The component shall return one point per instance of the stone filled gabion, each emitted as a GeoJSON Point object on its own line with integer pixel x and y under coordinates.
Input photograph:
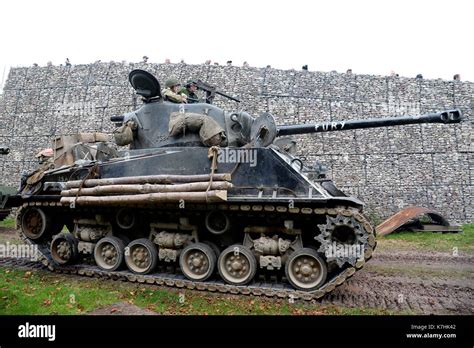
{"type": "Point", "coordinates": [429, 165]}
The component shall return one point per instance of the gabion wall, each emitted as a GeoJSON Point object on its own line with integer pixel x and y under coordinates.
{"type": "Point", "coordinates": [389, 168]}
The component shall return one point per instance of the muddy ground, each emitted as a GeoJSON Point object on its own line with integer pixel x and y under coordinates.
{"type": "Point", "coordinates": [410, 280]}
{"type": "Point", "coordinates": [398, 279]}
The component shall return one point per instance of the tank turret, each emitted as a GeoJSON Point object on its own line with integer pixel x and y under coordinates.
{"type": "Point", "coordinates": [155, 123]}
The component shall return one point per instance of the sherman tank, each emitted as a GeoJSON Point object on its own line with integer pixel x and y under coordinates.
{"type": "Point", "coordinates": [200, 198]}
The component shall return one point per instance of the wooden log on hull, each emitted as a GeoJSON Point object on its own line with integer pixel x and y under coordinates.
{"type": "Point", "coordinates": [149, 198]}
{"type": "Point", "coordinates": [146, 188]}
{"type": "Point", "coordinates": [149, 179]}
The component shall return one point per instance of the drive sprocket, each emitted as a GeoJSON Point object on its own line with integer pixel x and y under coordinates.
{"type": "Point", "coordinates": [343, 239]}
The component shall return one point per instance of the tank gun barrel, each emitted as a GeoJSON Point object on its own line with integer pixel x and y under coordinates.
{"type": "Point", "coordinates": [447, 116]}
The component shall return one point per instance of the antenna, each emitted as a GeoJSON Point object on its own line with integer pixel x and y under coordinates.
{"type": "Point", "coordinates": [3, 78]}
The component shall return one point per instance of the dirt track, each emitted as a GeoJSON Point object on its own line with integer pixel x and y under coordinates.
{"type": "Point", "coordinates": [414, 281]}
{"type": "Point", "coordinates": [406, 281]}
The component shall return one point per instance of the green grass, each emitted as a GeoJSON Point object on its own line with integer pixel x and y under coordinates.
{"type": "Point", "coordinates": [7, 235]}
{"type": "Point", "coordinates": [29, 292]}
{"type": "Point", "coordinates": [446, 242]}
{"type": "Point", "coordinates": [8, 223]}
{"type": "Point", "coordinates": [40, 292]}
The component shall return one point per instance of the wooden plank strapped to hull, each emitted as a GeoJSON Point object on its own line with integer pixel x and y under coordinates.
{"type": "Point", "coordinates": [148, 179]}
{"type": "Point", "coordinates": [149, 198]}
{"type": "Point", "coordinates": [145, 188]}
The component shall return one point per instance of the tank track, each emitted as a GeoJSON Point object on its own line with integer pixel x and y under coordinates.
{"type": "Point", "coordinates": [255, 288]}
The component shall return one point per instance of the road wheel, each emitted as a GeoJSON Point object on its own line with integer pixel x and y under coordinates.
{"type": "Point", "coordinates": [141, 256]}
{"type": "Point", "coordinates": [64, 249]}
{"type": "Point", "coordinates": [237, 265]}
{"type": "Point", "coordinates": [109, 253]}
{"type": "Point", "coordinates": [36, 224]}
{"type": "Point", "coordinates": [305, 269]}
{"type": "Point", "coordinates": [197, 261]}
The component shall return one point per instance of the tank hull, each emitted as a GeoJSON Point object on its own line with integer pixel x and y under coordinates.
{"type": "Point", "coordinates": [248, 212]}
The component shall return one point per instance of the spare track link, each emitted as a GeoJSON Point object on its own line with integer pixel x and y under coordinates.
{"type": "Point", "coordinates": [255, 288]}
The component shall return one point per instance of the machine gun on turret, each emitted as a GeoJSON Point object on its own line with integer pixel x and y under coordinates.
{"type": "Point", "coordinates": [211, 92]}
